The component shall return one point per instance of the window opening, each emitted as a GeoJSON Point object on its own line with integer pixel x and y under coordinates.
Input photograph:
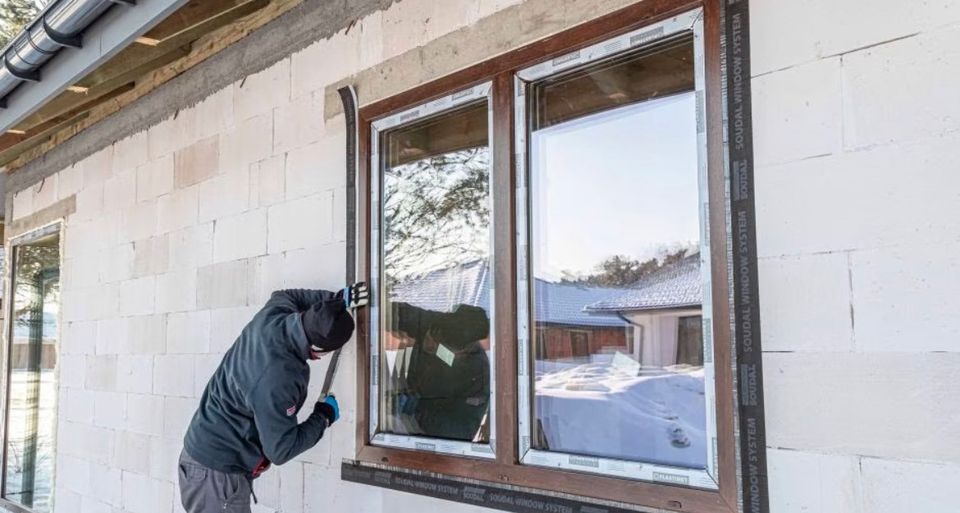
{"type": "Point", "coordinates": [614, 154]}
{"type": "Point", "coordinates": [29, 452]}
{"type": "Point", "coordinates": [435, 339]}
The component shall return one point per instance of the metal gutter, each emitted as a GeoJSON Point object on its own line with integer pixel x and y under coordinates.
{"type": "Point", "coordinates": [35, 65]}
{"type": "Point", "coordinates": [59, 25]}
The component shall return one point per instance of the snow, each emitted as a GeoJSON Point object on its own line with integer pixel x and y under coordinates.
{"type": "Point", "coordinates": [614, 408]}
{"type": "Point", "coordinates": [618, 409]}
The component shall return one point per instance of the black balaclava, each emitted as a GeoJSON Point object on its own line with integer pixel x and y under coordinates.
{"type": "Point", "coordinates": [328, 326]}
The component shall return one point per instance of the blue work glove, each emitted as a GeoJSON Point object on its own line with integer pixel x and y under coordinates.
{"type": "Point", "coordinates": [356, 295]}
{"type": "Point", "coordinates": [329, 408]}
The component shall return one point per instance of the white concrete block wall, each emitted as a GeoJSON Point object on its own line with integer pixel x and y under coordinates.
{"type": "Point", "coordinates": [858, 215]}
{"type": "Point", "coordinates": [183, 230]}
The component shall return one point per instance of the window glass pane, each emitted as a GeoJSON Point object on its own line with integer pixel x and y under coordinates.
{"type": "Point", "coordinates": [655, 72]}
{"type": "Point", "coordinates": [615, 253]}
{"type": "Point", "coordinates": [31, 406]}
{"type": "Point", "coordinates": [435, 341]}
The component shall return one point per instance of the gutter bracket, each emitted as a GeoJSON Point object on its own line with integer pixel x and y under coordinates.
{"type": "Point", "coordinates": [30, 76]}
{"type": "Point", "coordinates": [62, 39]}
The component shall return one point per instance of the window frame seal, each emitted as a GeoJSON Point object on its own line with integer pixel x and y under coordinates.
{"type": "Point", "coordinates": [690, 22]}
{"type": "Point", "coordinates": [474, 94]}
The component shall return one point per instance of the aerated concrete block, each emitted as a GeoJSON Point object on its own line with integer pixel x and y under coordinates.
{"type": "Point", "coordinates": [797, 113]}
{"type": "Point", "coordinates": [240, 236]}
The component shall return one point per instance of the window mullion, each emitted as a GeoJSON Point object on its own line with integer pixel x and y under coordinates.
{"type": "Point", "coordinates": [504, 263]}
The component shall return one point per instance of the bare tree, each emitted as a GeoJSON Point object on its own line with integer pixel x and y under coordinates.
{"type": "Point", "coordinates": [623, 271]}
{"type": "Point", "coordinates": [15, 15]}
{"type": "Point", "coordinates": [436, 212]}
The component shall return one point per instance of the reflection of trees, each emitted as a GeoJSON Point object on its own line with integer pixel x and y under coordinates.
{"type": "Point", "coordinates": [436, 211]}
{"type": "Point", "coordinates": [623, 271]}
{"type": "Point", "coordinates": [31, 261]}
{"type": "Point", "coordinates": [16, 14]}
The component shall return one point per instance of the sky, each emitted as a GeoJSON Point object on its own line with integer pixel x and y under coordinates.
{"type": "Point", "coordinates": [617, 182]}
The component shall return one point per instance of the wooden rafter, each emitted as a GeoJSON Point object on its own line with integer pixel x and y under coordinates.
{"type": "Point", "coordinates": [69, 101]}
{"type": "Point", "coordinates": [197, 12]}
{"type": "Point", "coordinates": [136, 71]}
{"type": "Point", "coordinates": [39, 133]}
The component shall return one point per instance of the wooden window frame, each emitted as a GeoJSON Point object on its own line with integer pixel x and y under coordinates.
{"type": "Point", "coordinates": [505, 468]}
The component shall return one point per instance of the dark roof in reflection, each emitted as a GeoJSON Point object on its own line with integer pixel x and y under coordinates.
{"type": "Point", "coordinates": [674, 286]}
{"type": "Point", "coordinates": [443, 289]}
{"type": "Point", "coordinates": [470, 284]}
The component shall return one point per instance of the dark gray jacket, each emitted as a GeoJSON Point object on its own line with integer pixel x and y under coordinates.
{"type": "Point", "coordinates": [248, 413]}
{"type": "Point", "coordinates": [428, 396]}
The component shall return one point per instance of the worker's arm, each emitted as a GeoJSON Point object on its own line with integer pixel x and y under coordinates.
{"type": "Point", "coordinates": [274, 401]}
{"type": "Point", "coordinates": [289, 301]}
{"type": "Point", "coordinates": [298, 300]}
{"type": "Point", "coordinates": [465, 324]}
{"type": "Point", "coordinates": [412, 320]}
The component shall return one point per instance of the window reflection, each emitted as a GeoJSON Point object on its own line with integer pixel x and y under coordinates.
{"type": "Point", "coordinates": [435, 279]}
{"type": "Point", "coordinates": [615, 253]}
{"type": "Point", "coordinates": [31, 408]}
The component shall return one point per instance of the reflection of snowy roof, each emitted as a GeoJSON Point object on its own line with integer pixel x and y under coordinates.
{"type": "Point", "coordinates": [558, 303]}
{"type": "Point", "coordinates": [441, 290]}
{"type": "Point", "coordinates": [563, 303]}
{"type": "Point", "coordinates": [674, 286]}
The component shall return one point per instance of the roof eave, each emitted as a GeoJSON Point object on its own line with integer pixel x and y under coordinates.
{"type": "Point", "coordinates": [112, 32]}
{"type": "Point", "coordinates": [611, 309]}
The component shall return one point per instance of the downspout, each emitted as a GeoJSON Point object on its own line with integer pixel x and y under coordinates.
{"type": "Point", "coordinates": [60, 24]}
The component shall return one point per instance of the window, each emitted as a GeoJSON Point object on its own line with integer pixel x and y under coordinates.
{"type": "Point", "coordinates": [616, 201]}
{"type": "Point", "coordinates": [30, 414]}
{"type": "Point", "coordinates": [541, 253]}
{"type": "Point", "coordinates": [690, 340]}
{"type": "Point", "coordinates": [580, 344]}
{"type": "Point", "coordinates": [432, 322]}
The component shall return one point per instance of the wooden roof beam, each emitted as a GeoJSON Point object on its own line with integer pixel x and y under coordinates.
{"type": "Point", "coordinates": [213, 13]}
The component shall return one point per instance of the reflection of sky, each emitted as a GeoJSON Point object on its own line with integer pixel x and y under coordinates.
{"type": "Point", "coordinates": [617, 182]}
{"type": "Point", "coordinates": [21, 329]}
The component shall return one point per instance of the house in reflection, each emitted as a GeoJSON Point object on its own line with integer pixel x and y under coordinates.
{"type": "Point", "coordinates": [565, 328]}
{"type": "Point", "coordinates": [664, 308]}
{"type": "Point", "coordinates": [657, 321]}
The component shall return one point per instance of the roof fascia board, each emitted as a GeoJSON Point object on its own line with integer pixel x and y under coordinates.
{"type": "Point", "coordinates": [116, 29]}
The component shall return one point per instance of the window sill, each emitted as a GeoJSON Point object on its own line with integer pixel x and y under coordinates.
{"type": "Point", "coordinates": [13, 507]}
{"type": "Point", "coordinates": [591, 488]}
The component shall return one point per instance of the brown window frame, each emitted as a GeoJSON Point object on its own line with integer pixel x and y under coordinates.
{"type": "Point", "coordinates": [505, 468]}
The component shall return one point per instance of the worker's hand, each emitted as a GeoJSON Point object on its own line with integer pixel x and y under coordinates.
{"type": "Point", "coordinates": [356, 295]}
{"type": "Point", "coordinates": [329, 408]}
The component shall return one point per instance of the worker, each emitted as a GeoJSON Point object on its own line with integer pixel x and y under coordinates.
{"type": "Point", "coordinates": [440, 385]}
{"type": "Point", "coordinates": [247, 418]}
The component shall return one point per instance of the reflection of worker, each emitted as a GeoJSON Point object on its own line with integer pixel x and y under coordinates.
{"type": "Point", "coordinates": [442, 384]}
{"type": "Point", "coordinates": [247, 417]}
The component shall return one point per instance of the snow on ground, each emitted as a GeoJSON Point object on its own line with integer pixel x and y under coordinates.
{"type": "Point", "coordinates": [613, 407]}
{"type": "Point", "coordinates": [619, 410]}
{"type": "Point", "coordinates": [17, 435]}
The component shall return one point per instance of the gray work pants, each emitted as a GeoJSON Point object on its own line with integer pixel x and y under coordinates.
{"type": "Point", "coordinates": [204, 490]}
